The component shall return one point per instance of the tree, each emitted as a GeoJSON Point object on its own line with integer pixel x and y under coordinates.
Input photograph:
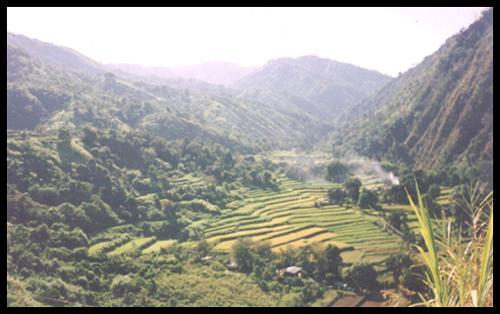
{"type": "Point", "coordinates": [311, 291]}
{"type": "Point", "coordinates": [434, 191]}
{"type": "Point", "coordinates": [408, 234]}
{"type": "Point", "coordinates": [395, 264]}
{"type": "Point", "coordinates": [123, 284]}
{"type": "Point", "coordinates": [203, 248]}
{"type": "Point", "coordinates": [395, 194]}
{"type": "Point", "coordinates": [64, 147]}
{"type": "Point", "coordinates": [395, 220]}
{"type": "Point", "coordinates": [352, 186]}
{"type": "Point", "coordinates": [44, 194]}
{"type": "Point", "coordinates": [242, 255]}
{"type": "Point", "coordinates": [228, 160]}
{"type": "Point", "coordinates": [367, 199]}
{"type": "Point", "coordinates": [268, 178]}
{"type": "Point", "coordinates": [263, 250]}
{"type": "Point", "coordinates": [336, 196]}
{"type": "Point", "coordinates": [362, 276]}
{"type": "Point", "coordinates": [109, 80]}
{"type": "Point", "coordinates": [336, 172]}
{"type": "Point", "coordinates": [89, 136]}
{"type": "Point", "coordinates": [411, 278]}
{"type": "Point", "coordinates": [306, 259]}
{"type": "Point", "coordinates": [72, 215]}
{"type": "Point", "coordinates": [334, 260]}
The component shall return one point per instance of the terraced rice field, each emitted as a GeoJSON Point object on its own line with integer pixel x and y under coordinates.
{"type": "Point", "coordinates": [445, 197]}
{"type": "Point", "coordinates": [289, 219]}
{"type": "Point", "coordinates": [158, 245]}
{"type": "Point", "coordinates": [105, 246]}
{"type": "Point", "coordinates": [132, 246]}
{"type": "Point", "coordinates": [189, 180]}
{"type": "Point", "coordinates": [372, 182]}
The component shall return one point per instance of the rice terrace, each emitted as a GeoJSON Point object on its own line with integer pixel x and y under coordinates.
{"type": "Point", "coordinates": [293, 214]}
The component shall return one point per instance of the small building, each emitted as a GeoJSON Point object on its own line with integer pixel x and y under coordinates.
{"type": "Point", "coordinates": [292, 271]}
{"type": "Point", "coordinates": [232, 265]}
{"type": "Point", "coordinates": [206, 259]}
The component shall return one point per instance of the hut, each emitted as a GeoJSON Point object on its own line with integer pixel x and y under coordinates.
{"type": "Point", "coordinates": [292, 271]}
{"type": "Point", "coordinates": [232, 265]}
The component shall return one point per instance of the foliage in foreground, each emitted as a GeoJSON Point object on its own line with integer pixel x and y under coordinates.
{"type": "Point", "coordinates": [459, 260]}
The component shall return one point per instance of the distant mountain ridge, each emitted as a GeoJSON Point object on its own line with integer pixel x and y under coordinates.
{"type": "Point", "coordinates": [221, 73]}
{"type": "Point", "coordinates": [322, 87]}
{"type": "Point", "coordinates": [44, 94]}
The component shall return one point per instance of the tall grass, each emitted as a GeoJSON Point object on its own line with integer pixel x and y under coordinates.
{"type": "Point", "coordinates": [459, 267]}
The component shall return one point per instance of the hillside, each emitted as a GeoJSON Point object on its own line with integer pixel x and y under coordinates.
{"type": "Point", "coordinates": [437, 113]}
{"type": "Point", "coordinates": [55, 55]}
{"type": "Point", "coordinates": [322, 87]}
{"type": "Point", "coordinates": [45, 95]}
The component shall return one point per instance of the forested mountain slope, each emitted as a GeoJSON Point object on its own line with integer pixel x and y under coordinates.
{"type": "Point", "coordinates": [438, 113]}
{"type": "Point", "coordinates": [319, 86]}
{"type": "Point", "coordinates": [55, 55]}
{"type": "Point", "coordinates": [46, 95]}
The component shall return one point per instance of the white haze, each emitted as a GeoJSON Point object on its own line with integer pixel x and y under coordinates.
{"type": "Point", "coordinates": [389, 40]}
{"type": "Point", "coordinates": [384, 175]}
{"type": "Point", "coordinates": [362, 166]}
{"type": "Point", "coordinates": [312, 168]}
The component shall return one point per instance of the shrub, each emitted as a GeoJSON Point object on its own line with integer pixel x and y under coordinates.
{"type": "Point", "coordinates": [362, 276]}
{"type": "Point", "coordinates": [123, 284]}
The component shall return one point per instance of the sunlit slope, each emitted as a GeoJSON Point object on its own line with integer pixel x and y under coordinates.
{"type": "Point", "coordinates": [438, 113]}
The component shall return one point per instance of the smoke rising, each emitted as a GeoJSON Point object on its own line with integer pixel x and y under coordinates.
{"type": "Point", "coordinates": [312, 167]}
{"type": "Point", "coordinates": [362, 166]}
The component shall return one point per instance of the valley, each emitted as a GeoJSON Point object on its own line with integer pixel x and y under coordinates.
{"type": "Point", "coordinates": [301, 182]}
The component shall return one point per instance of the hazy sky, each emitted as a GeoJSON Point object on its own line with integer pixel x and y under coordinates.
{"type": "Point", "coordinates": [389, 40]}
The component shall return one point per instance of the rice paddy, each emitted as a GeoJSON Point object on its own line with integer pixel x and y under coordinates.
{"type": "Point", "coordinates": [289, 219]}
{"type": "Point", "coordinates": [132, 246]}
{"type": "Point", "coordinates": [157, 246]}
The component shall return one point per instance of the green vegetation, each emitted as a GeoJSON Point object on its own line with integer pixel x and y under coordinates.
{"type": "Point", "coordinates": [132, 246]}
{"type": "Point", "coordinates": [419, 119]}
{"type": "Point", "coordinates": [126, 190]}
{"type": "Point", "coordinates": [459, 268]}
{"type": "Point", "coordinates": [363, 277]}
{"type": "Point", "coordinates": [157, 246]}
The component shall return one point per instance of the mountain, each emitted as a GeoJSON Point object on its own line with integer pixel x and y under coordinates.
{"type": "Point", "coordinates": [437, 113]}
{"type": "Point", "coordinates": [44, 95]}
{"type": "Point", "coordinates": [55, 55]}
{"type": "Point", "coordinates": [220, 73]}
{"type": "Point", "coordinates": [145, 71]}
{"type": "Point", "coordinates": [321, 87]}
{"type": "Point", "coordinates": [223, 73]}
